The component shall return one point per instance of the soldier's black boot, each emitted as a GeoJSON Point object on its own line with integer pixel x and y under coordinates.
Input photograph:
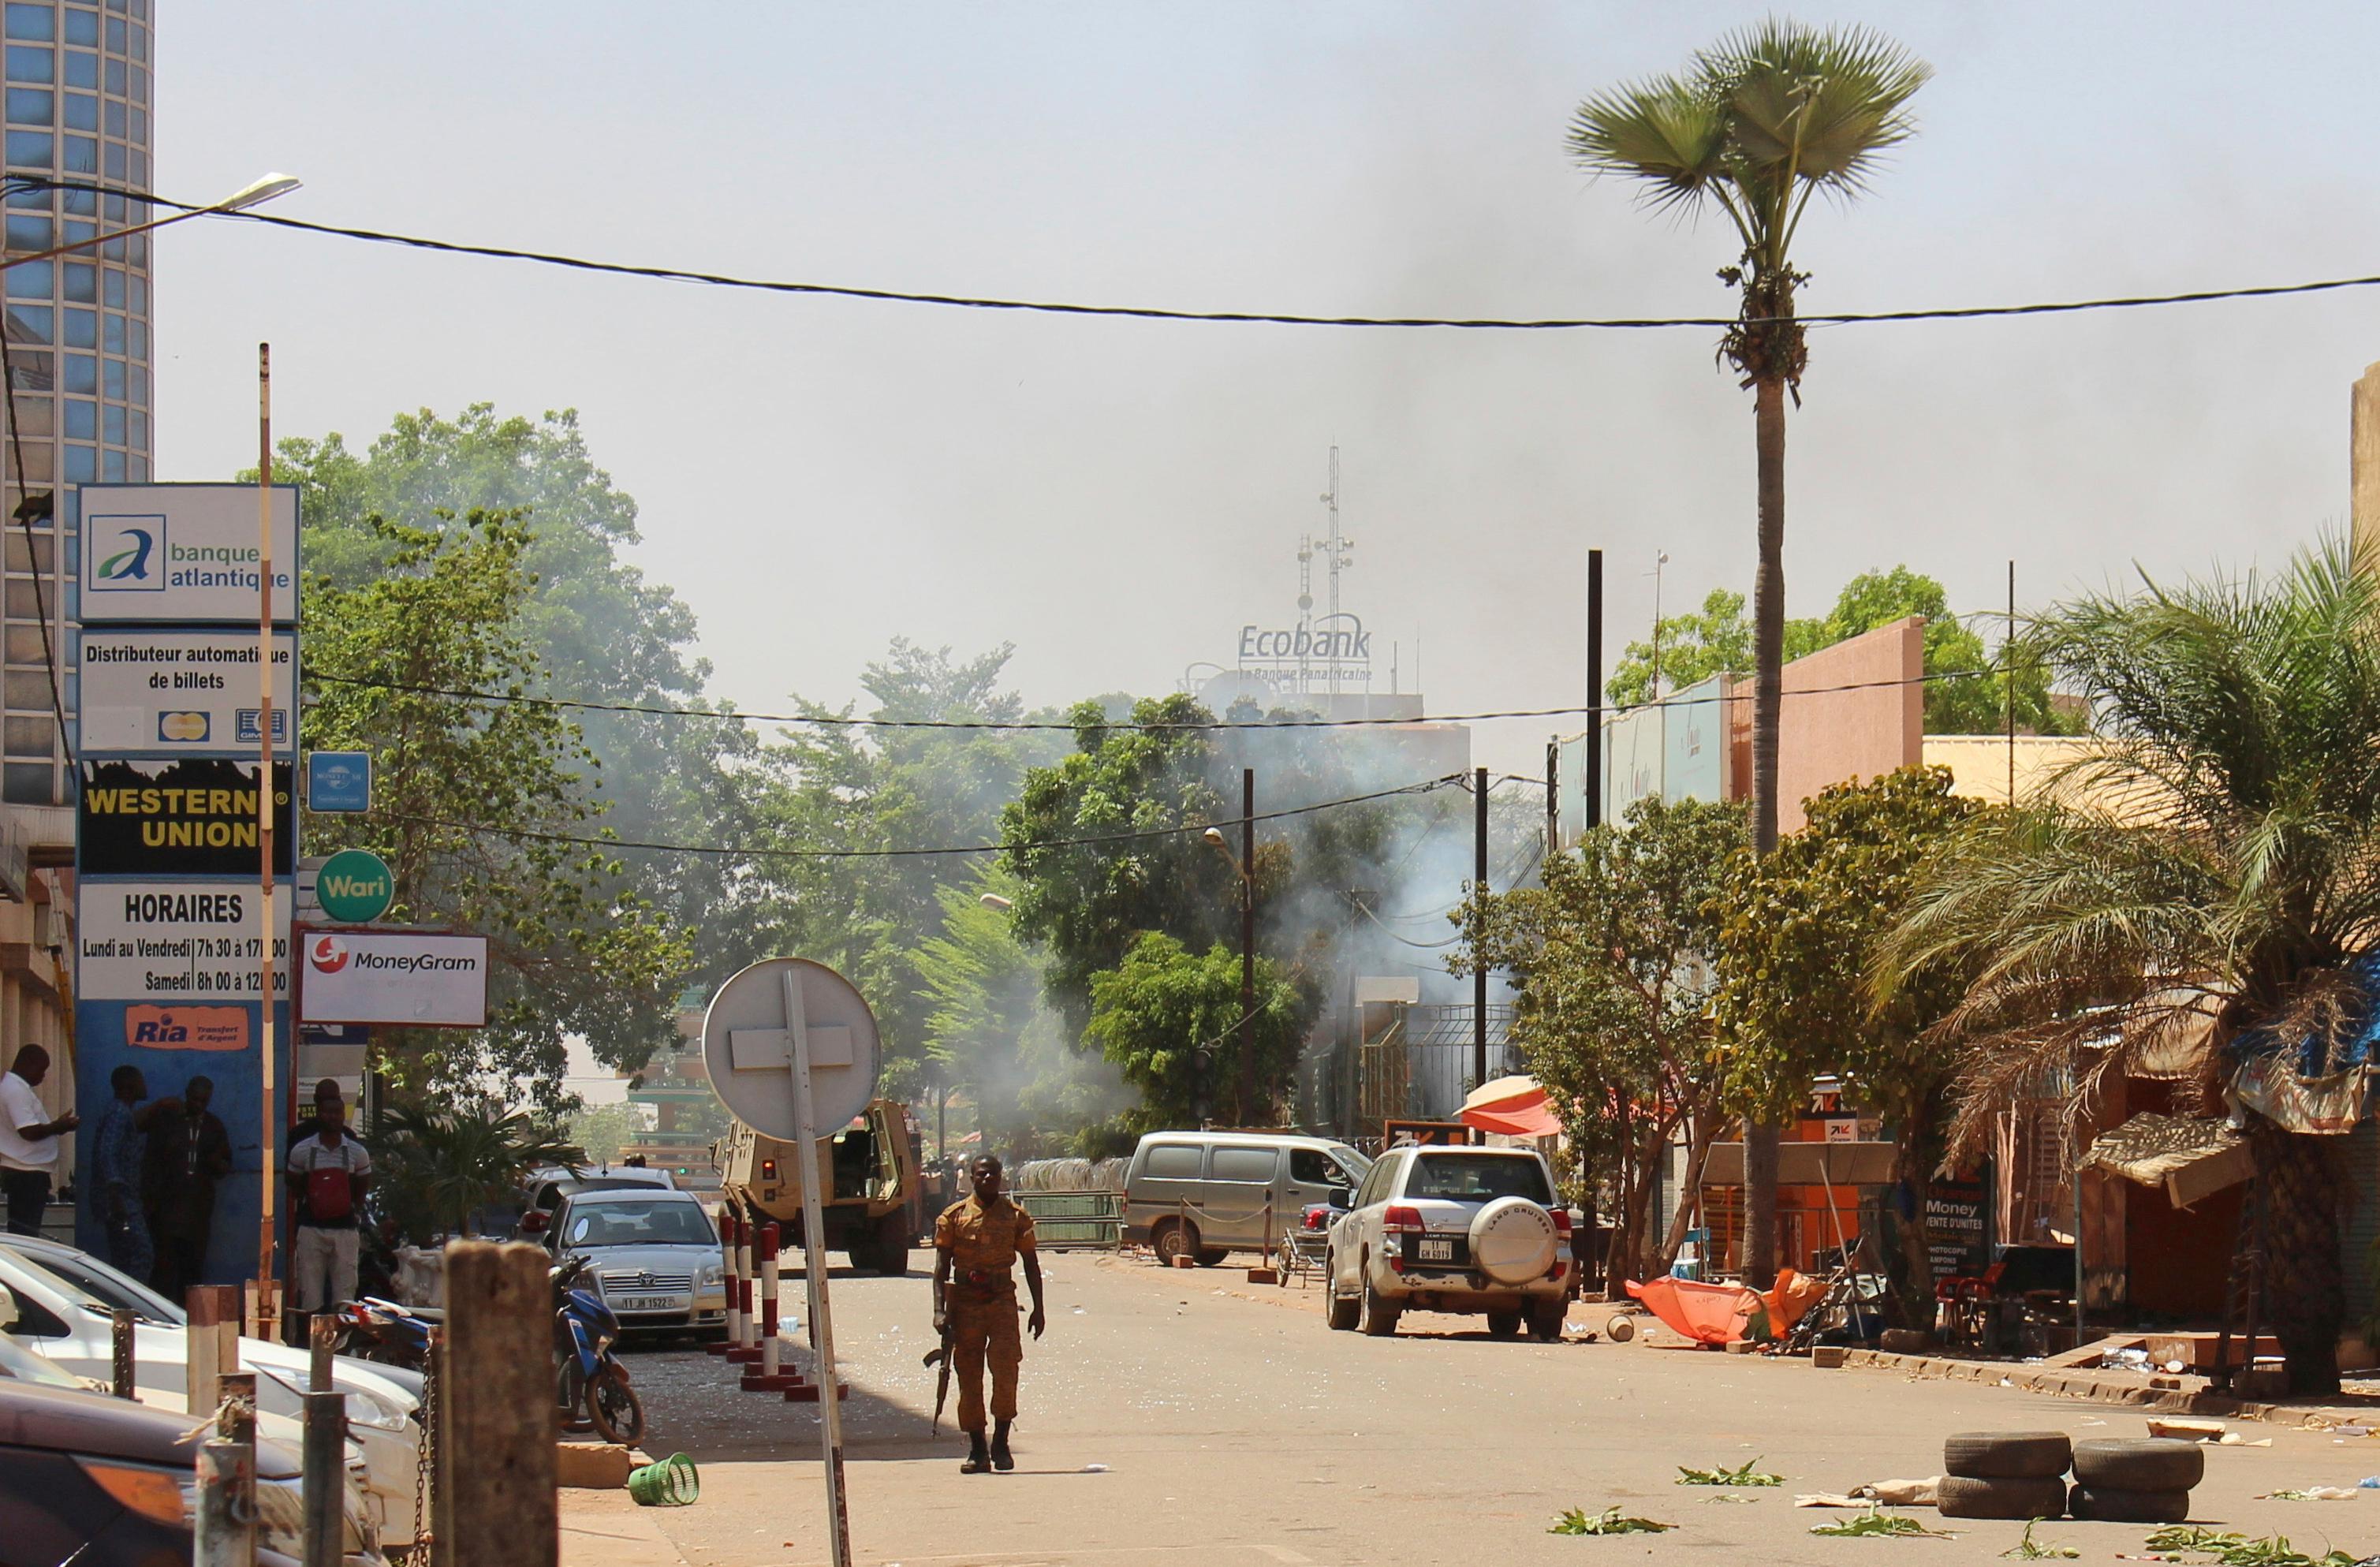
{"type": "Point", "coordinates": [977, 1460]}
{"type": "Point", "coordinates": [1000, 1455]}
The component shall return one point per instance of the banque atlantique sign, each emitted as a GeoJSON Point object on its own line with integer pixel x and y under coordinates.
{"type": "Point", "coordinates": [1334, 637]}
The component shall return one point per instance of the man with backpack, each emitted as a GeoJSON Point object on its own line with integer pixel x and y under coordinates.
{"type": "Point", "coordinates": [328, 1173]}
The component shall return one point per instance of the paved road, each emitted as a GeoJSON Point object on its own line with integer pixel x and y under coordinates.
{"type": "Point", "coordinates": [1239, 1432]}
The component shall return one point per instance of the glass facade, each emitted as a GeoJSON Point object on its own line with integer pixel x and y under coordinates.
{"type": "Point", "coordinates": [76, 100]}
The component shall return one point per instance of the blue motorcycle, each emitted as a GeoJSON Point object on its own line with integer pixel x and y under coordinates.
{"type": "Point", "coordinates": [588, 1376]}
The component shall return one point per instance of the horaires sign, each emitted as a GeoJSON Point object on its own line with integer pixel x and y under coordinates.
{"type": "Point", "coordinates": [178, 817]}
{"type": "Point", "coordinates": [173, 940]}
{"type": "Point", "coordinates": [180, 691]}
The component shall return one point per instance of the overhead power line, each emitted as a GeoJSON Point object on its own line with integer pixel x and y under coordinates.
{"type": "Point", "coordinates": [840, 720]}
{"type": "Point", "coordinates": [736, 851]}
{"type": "Point", "coordinates": [1264, 318]}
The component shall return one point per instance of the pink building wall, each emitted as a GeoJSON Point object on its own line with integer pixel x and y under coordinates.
{"type": "Point", "coordinates": [1828, 735]}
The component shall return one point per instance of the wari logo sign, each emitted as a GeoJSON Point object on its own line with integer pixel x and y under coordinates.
{"type": "Point", "coordinates": [354, 886]}
{"type": "Point", "coordinates": [179, 691]}
{"type": "Point", "coordinates": [405, 978]}
{"type": "Point", "coordinates": [169, 940]}
{"type": "Point", "coordinates": [179, 817]}
{"type": "Point", "coordinates": [183, 552]}
{"type": "Point", "coordinates": [186, 1027]}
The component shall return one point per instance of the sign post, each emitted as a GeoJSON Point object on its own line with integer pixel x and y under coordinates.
{"type": "Point", "coordinates": [814, 1271]}
{"type": "Point", "coordinates": [790, 1047]}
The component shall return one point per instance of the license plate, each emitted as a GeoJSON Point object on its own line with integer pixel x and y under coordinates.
{"type": "Point", "coordinates": [649, 1303]}
{"type": "Point", "coordinates": [1436, 1251]}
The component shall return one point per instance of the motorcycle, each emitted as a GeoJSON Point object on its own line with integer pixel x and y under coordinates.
{"type": "Point", "coordinates": [588, 1376]}
{"type": "Point", "coordinates": [383, 1330]}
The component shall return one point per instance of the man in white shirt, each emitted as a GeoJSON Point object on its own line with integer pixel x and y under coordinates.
{"type": "Point", "coordinates": [328, 1174]}
{"type": "Point", "coordinates": [29, 1142]}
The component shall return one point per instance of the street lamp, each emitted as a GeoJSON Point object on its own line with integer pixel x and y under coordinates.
{"type": "Point", "coordinates": [1244, 866]}
{"type": "Point", "coordinates": [993, 899]}
{"type": "Point", "coordinates": [255, 193]}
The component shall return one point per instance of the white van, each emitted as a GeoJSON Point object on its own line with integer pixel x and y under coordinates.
{"type": "Point", "coordinates": [1203, 1195]}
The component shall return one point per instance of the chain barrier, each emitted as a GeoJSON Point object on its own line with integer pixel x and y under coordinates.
{"type": "Point", "coordinates": [425, 1460]}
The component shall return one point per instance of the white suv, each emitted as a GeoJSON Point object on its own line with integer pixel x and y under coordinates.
{"type": "Point", "coordinates": [1453, 1229]}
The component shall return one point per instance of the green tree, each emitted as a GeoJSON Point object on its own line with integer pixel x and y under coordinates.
{"type": "Point", "coordinates": [1758, 125]}
{"type": "Point", "coordinates": [1105, 846]}
{"type": "Point", "coordinates": [1610, 966]}
{"type": "Point", "coordinates": [870, 914]}
{"type": "Point", "coordinates": [1167, 1018]}
{"type": "Point", "coordinates": [1795, 930]}
{"type": "Point", "coordinates": [574, 950]}
{"type": "Point", "coordinates": [2201, 887]}
{"type": "Point", "coordinates": [603, 1130]}
{"type": "Point", "coordinates": [1971, 700]}
{"type": "Point", "coordinates": [988, 1028]}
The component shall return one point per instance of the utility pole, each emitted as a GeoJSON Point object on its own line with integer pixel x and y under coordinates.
{"type": "Point", "coordinates": [1553, 799]}
{"type": "Point", "coordinates": [1248, 934]}
{"type": "Point", "coordinates": [267, 1310]}
{"type": "Point", "coordinates": [1479, 891]}
{"type": "Point", "coordinates": [1660, 559]}
{"type": "Point", "coordinates": [1591, 786]}
{"type": "Point", "coordinates": [2008, 684]}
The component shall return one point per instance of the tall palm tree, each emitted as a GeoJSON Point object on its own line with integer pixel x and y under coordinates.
{"type": "Point", "coordinates": [2206, 885]}
{"type": "Point", "coordinates": [1756, 125]}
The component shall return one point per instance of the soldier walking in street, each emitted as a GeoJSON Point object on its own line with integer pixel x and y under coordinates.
{"type": "Point", "coordinates": [976, 1242]}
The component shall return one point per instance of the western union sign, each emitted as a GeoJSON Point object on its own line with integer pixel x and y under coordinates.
{"type": "Point", "coordinates": [183, 816]}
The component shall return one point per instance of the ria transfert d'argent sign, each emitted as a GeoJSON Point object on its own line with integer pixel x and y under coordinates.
{"type": "Point", "coordinates": [184, 552]}
{"type": "Point", "coordinates": [404, 978]}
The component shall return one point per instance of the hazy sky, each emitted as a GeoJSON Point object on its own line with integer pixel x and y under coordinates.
{"type": "Point", "coordinates": [1118, 498]}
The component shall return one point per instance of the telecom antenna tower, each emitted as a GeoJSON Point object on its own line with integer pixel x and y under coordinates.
{"type": "Point", "coordinates": [1335, 552]}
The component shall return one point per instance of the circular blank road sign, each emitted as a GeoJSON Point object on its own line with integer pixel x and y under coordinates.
{"type": "Point", "coordinates": [747, 1047]}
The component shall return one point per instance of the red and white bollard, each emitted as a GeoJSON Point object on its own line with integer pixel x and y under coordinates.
{"type": "Point", "coordinates": [747, 1333]}
{"type": "Point", "coordinates": [771, 1377]}
{"type": "Point", "coordinates": [728, 1224]}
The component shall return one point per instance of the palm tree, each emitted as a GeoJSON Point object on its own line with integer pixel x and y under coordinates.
{"type": "Point", "coordinates": [447, 1162]}
{"type": "Point", "coordinates": [1756, 125]}
{"type": "Point", "coordinates": [2204, 886]}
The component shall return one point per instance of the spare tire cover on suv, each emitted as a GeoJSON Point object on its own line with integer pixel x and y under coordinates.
{"type": "Point", "coordinates": [1513, 1241]}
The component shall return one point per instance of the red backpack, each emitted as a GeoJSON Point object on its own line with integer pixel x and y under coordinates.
{"type": "Point", "coordinates": [330, 1193]}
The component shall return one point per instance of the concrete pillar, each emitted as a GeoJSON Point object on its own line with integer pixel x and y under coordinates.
{"type": "Point", "coordinates": [2363, 460]}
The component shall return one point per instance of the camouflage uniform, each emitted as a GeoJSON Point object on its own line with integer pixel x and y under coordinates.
{"type": "Point", "coordinates": [984, 1240]}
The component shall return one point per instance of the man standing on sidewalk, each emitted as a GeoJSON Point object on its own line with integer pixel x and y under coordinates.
{"type": "Point", "coordinates": [119, 1150]}
{"type": "Point", "coordinates": [328, 1173]}
{"type": "Point", "coordinates": [190, 1150]}
{"type": "Point", "coordinates": [28, 1144]}
{"type": "Point", "coordinates": [976, 1242]}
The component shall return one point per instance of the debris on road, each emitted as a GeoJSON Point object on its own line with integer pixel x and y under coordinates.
{"type": "Point", "coordinates": [2312, 1493]}
{"type": "Point", "coordinates": [1577, 1521]}
{"type": "Point", "coordinates": [2030, 1549]}
{"type": "Point", "coordinates": [1884, 1526]}
{"type": "Point", "coordinates": [1744, 1476]}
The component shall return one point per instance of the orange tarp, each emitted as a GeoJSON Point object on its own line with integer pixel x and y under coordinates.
{"type": "Point", "coordinates": [1720, 1314]}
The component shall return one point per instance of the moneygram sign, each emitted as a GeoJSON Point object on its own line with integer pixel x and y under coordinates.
{"type": "Point", "coordinates": [184, 552]}
{"type": "Point", "coordinates": [402, 978]}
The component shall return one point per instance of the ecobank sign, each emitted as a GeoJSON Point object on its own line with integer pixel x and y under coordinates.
{"type": "Point", "coordinates": [184, 552]}
{"type": "Point", "coordinates": [1338, 637]}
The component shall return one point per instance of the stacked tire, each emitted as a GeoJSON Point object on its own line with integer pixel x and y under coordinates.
{"type": "Point", "coordinates": [2004, 1475]}
{"type": "Point", "coordinates": [2020, 1475]}
{"type": "Point", "coordinates": [2142, 1481]}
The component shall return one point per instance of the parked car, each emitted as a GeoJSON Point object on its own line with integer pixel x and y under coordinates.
{"type": "Point", "coordinates": [1453, 1229]}
{"type": "Point", "coordinates": [104, 1482]}
{"type": "Point", "coordinates": [1203, 1194]}
{"type": "Point", "coordinates": [549, 1186]}
{"type": "Point", "coordinates": [64, 1302]}
{"type": "Point", "coordinates": [653, 1255]}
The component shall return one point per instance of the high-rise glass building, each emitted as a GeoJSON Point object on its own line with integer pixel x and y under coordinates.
{"type": "Point", "coordinates": [78, 101]}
